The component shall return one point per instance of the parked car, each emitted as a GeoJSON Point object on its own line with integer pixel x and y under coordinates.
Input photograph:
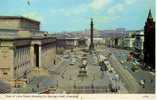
{"type": "Point", "coordinates": [73, 61]}
{"type": "Point", "coordinates": [114, 85]}
{"type": "Point", "coordinates": [107, 63]}
{"type": "Point", "coordinates": [66, 56]}
{"type": "Point", "coordinates": [134, 68]}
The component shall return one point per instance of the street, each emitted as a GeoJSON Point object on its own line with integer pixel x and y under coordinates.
{"type": "Point", "coordinates": [64, 76]}
{"type": "Point", "coordinates": [140, 74]}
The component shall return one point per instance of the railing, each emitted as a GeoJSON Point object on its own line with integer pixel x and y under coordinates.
{"type": "Point", "coordinates": [4, 88]}
{"type": "Point", "coordinates": [89, 89]}
{"type": "Point", "coordinates": [4, 91]}
{"type": "Point", "coordinates": [81, 89]}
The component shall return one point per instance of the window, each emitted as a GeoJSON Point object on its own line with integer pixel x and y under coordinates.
{"type": "Point", "coordinates": [5, 73]}
{"type": "Point", "coordinates": [15, 68]}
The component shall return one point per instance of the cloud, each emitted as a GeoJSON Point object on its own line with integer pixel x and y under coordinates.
{"type": "Point", "coordinates": [33, 15]}
{"type": "Point", "coordinates": [106, 19]}
{"type": "Point", "coordinates": [77, 10]}
{"type": "Point", "coordinates": [81, 9]}
{"type": "Point", "coordinates": [95, 5]}
{"type": "Point", "coordinates": [99, 4]}
{"type": "Point", "coordinates": [119, 7]}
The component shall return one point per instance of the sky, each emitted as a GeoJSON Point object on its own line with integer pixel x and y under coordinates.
{"type": "Point", "coordinates": [74, 15]}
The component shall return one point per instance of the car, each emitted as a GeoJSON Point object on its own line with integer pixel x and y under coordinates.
{"type": "Point", "coordinates": [107, 63]}
{"type": "Point", "coordinates": [122, 62]}
{"type": "Point", "coordinates": [142, 83]}
{"type": "Point", "coordinates": [66, 56]}
{"type": "Point", "coordinates": [84, 55]}
{"type": "Point", "coordinates": [83, 58]}
{"type": "Point", "coordinates": [73, 61]}
{"type": "Point", "coordinates": [134, 68]}
{"type": "Point", "coordinates": [114, 86]}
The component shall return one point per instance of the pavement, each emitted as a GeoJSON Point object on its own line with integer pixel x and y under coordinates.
{"type": "Point", "coordinates": [40, 79]}
{"type": "Point", "coordinates": [95, 82]}
{"type": "Point", "coordinates": [4, 87]}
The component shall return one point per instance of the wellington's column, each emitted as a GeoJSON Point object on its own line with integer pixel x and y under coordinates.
{"type": "Point", "coordinates": [91, 46]}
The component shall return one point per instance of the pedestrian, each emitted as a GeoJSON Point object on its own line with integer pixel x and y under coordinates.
{"type": "Point", "coordinates": [33, 90]}
{"type": "Point", "coordinates": [54, 62]}
{"type": "Point", "coordinates": [151, 81]}
{"type": "Point", "coordinates": [142, 82]}
{"type": "Point", "coordinates": [38, 85]}
{"type": "Point", "coordinates": [62, 76]}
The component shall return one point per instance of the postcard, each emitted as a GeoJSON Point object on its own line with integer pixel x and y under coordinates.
{"type": "Point", "coordinates": [77, 49]}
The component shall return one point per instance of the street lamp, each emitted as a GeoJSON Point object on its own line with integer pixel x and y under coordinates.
{"type": "Point", "coordinates": [74, 86]}
{"type": "Point", "coordinates": [15, 77]}
{"type": "Point", "coordinates": [57, 84]}
{"type": "Point", "coordinates": [92, 85]}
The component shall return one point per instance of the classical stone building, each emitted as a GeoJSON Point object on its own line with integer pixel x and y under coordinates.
{"type": "Point", "coordinates": [23, 47]}
{"type": "Point", "coordinates": [149, 41]}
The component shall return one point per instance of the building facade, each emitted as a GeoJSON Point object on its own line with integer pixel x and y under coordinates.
{"type": "Point", "coordinates": [23, 47]}
{"type": "Point", "coordinates": [132, 40]}
{"type": "Point", "coordinates": [66, 44]}
{"type": "Point", "coordinates": [139, 45]}
{"type": "Point", "coordinates": [149, 41]}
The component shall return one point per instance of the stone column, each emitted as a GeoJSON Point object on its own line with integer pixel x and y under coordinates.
{"type": "Point", "coordinates": [11, 62]}
{"type": "Point", "coordinates": [32, 56]}
{"type": "Point", "coordinates": [91, 47]}
{"type": "Point", "coordinates": [40, 63]}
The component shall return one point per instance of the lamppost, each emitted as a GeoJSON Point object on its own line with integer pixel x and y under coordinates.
{"type": "Point", "coordinates": [57, 84]}
{"type": "Point", "coordinates": [92, 85]}
{"type": "Point", "coordinates": [15, 69]}
{"type": "Point", "coordinates": [15, 78]}
{"type": "Point", "coordinates": [74, 86]}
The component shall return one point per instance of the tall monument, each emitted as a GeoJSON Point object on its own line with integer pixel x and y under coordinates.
{"type": "Point", "coordinates": [149, 41]}
{"type": "Point", "coordinates": [91, 46]}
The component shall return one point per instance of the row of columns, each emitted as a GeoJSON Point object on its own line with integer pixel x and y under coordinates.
{"type": "Point", "coordinates": [33, 56]}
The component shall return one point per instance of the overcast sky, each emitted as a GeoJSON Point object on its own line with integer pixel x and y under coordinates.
{"type": "Point", "coordinates": [74, 15]}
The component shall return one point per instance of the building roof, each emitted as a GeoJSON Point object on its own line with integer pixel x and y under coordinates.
{"type": "Point", "coordinates": [19, 17]}
{"type": "Point", "coordinates": [9, 38]}
{"type": "Point", "coordinates": [150, 15]}
{"type": "Point", "coordinates": [13, 35]}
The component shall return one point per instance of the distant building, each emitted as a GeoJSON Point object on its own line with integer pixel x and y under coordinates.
{"type": "Point", "coordinates": [139, 44]}
{"type": "Point", "coordinates": [149, 41]}
{"type": "Point", "coordinates": [113, 37]}
{"type": "Point", "coordinates": [67, 43]}
{"type": "Point", "coordinates": [23, 47]}
{"type": "Point", "coordinates": [82, 42]}
{"type": "Point", "coordinates": [129, 40]}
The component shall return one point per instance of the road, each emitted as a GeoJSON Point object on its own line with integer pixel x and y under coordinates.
{"type": "Point", "coordinates": [95, 82]}
{"type": "Point", "coordinates": [140, 74]}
